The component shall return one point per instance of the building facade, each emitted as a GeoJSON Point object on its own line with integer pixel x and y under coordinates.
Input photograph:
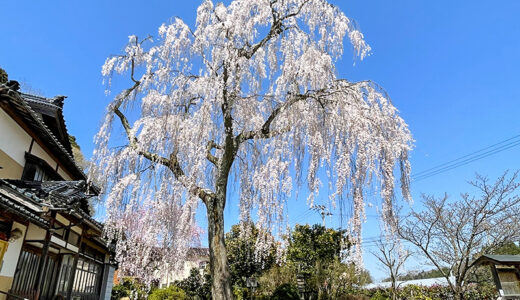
{"type": "Point", "coordinates": [196, 258]}
{"type": "Point", "coordinates": [50, 246]}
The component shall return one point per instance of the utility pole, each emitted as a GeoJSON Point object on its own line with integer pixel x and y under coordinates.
{"type": "Point", "coordinates": [321, 209]}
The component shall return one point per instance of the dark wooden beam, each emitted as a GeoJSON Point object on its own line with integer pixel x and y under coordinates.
{"type": "Point", "coordinates": [42, 266]}
{"type": "Point", "coordinates": [497, 280]}
{"type": "Point", "coordinates": [74, 265]}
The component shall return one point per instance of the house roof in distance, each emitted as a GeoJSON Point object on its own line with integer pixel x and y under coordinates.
{"type": "Point", "coordinates": [510, 260]}
{"type": "Point", "coordinates": [439, 281]}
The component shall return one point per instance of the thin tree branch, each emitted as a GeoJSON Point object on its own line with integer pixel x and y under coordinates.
{"type": "Point", "coordinates": [276, 29]}
{"type": "Point", "coordinates": [172, 162]}
{"type": "Point", "coordinates": [265, 131]}
{"type": "Point", "coordinates": [210, 146]}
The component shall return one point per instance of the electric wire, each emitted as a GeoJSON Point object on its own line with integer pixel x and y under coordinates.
{"type": "Point", "coordinates": [457, 159]}
{"type": "Point", "coordinates": [461, 162]}
{"type": "Point", "coordinates": [439, 169]}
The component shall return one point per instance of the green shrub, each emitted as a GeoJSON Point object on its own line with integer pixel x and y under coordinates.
{"type": "Point", "coordinates": [286, 291]}
{"type": "Point", "coordinates": [240, 293]}
{"type": "Point", "coordinates": [415, 292]}
{"type": "Point", "coordinates": [196, 286]}
{"type": "Point", "coordinates": [274, 277]}
{"type": "Point", "coordinates": [129, 287]}
{"type": "Point", "coordinates": [436, 292]}
{"type": "Point", "coordinates": [3, 76]}
{"type": "Point", "coordinates": [354, 297]}
{"type": "Point", "coordinates": [169, 293]}
{"type": "Point", "coordinates": [119, 291]}
{"type": "Point", "coordinates": [379, 295]}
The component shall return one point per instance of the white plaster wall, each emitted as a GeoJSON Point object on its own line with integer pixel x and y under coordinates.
{"type": "Point", "coordinates": [12, 254]}
{"type": "Point", "coordinates": [62, 219]}
{"type": "Point", "coordinates": [77, 229]}
{"type": "Point", "coordinates": [14, 141]}
{"type": "Point", "coordinates": [64, 174]}
{"type": "Point", "coordinates": [35, 233]}
{"type": "Point", "coordinates": [38, 151]}
{"type": "Point", "coordinates": [188, 265]}
{"type": "Point", "coordinates": [181, 274]}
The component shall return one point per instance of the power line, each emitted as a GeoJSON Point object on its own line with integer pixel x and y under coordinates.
{"type": "Point", "coordinates": [457, 159]}
{"type": "Point", "coordinates": [467, 161]}
{"type": "Point", "coordinates": [447, 166]}
{"type": "Point", "coordinates": [303, 215]}
{"type": "Point", "coordinates": [468, 158]}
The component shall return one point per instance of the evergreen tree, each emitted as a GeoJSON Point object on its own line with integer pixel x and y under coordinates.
{"type": "Point", "coordinates": [3, 76]}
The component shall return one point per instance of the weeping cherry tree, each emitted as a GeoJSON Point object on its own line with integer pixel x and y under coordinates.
{"type": "Point", "coordinates": [249, 96]}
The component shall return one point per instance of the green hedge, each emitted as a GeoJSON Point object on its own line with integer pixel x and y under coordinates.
{"type": "Point", "coordinates": [169, 293]}
{"type": "Point", "coordinates": [286, 291]}
{"type": "Point", "coordinates": [481, 292]}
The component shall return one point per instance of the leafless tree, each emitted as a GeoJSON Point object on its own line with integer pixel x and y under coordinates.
{"type": "Point", "coordinates": [450, 234]}
{"type": "Point", "coordinates": [392, 256]}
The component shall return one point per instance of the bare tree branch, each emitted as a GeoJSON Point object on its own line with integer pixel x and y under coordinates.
{"type": "Point", "coordinates": [451, 234]}
{"type": "Point", "coordinates": [392, 257]}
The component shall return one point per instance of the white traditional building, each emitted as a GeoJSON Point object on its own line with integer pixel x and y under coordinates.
{"type": "Point", "coordinates": [50, 246]}
{"type": "Point", "coordinates": [197, 258]}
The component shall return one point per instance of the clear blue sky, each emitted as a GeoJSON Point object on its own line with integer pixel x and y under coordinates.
{"type": "Point", "coordinates": [451, 67]}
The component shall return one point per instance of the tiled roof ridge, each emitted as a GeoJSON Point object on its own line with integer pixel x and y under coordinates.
{"type": "Point", "coordinates": [54, 138]}
{"type": "Point", "coordinates": [46, 129]}
{"type": "Point", "coordinates": [20, 208]}
{"type": "Point", "coordinates": [198, 251]}
{"type": "Point", "coordinates": [38, 200]}
{"type": "Point", "coordinates": [40, 99]}
{"type": "Point", "coordinates": [51, 102]}
{"type": "Point", "coordinates": [23, 191]}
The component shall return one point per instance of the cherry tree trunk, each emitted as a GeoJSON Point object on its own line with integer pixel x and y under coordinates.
{"type": "Point", "coordinates": [220, 285]}
{"type": "Point", "coordinates": [458, 295]}
{"type": "Point", "coordinates": [394, 287]}
{"type": "Point", "coordinates": [458, 291]}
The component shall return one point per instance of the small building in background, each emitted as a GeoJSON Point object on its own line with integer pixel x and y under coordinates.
{"type": "Point", "coordinates": [197, 258]}
{"type": "Point", "coordinates": [50, 246]}
{"type": "Point", "coordinates": [506, 273]}
{"type": "Point", "coordinates": [427, 282]}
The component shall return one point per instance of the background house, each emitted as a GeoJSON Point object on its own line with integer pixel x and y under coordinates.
{"type": "Point", "coordinates": [427, 282]}
{"type": "Point", "coordinates": [50, 246]}
{"type": "Point", "coordinates": [195, 258]}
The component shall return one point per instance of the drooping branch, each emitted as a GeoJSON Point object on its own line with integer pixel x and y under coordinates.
{"type": "Point", "coordinates": [171, 163]}
{"type": "Point", "coordinates": [276, 29]}
{"type": "Point", "coordinates": [267, 132]}
{"type": "Point", "coordinates": [321, 96]}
